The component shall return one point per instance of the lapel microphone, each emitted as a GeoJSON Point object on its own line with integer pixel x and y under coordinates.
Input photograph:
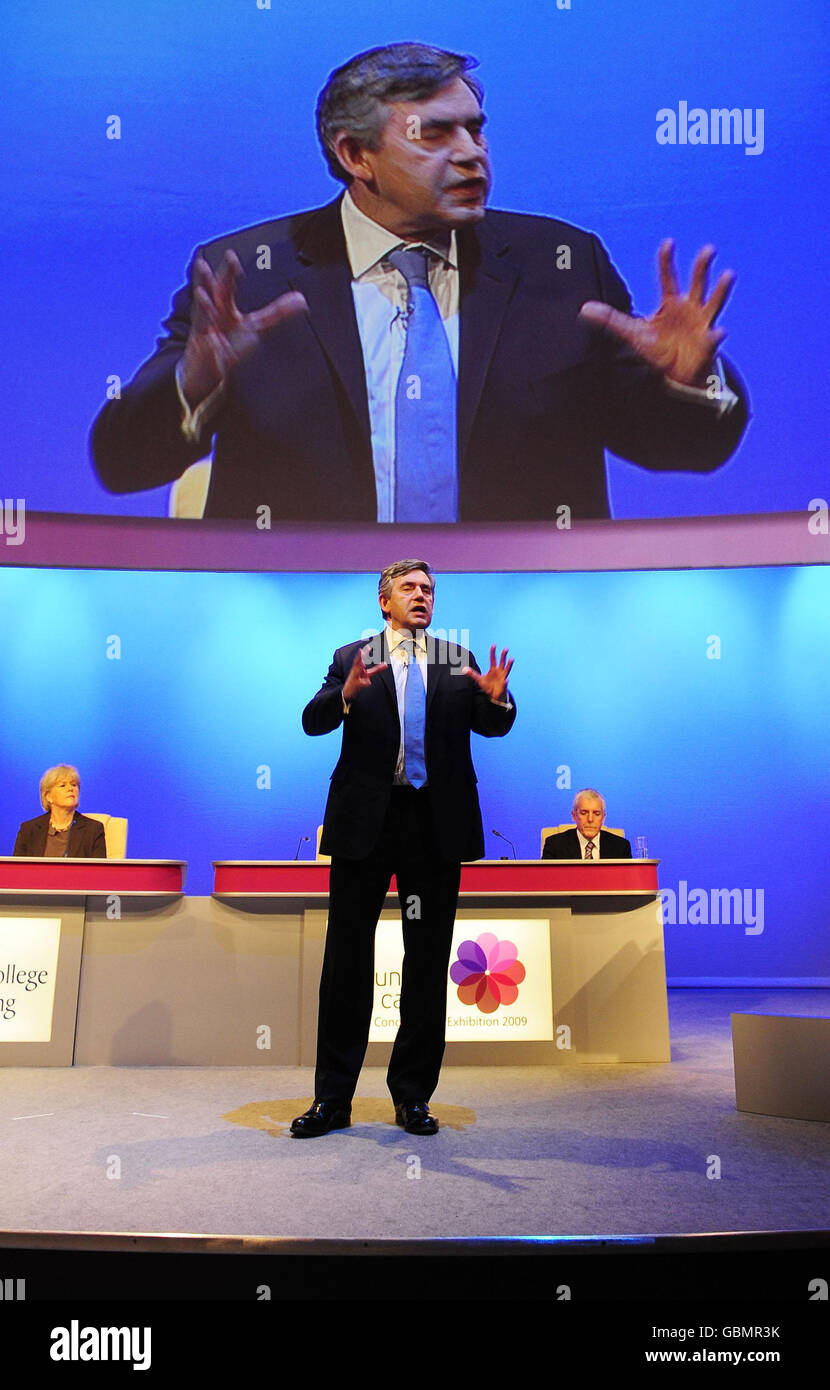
{"type": "Point", "coordinates": [69, 836]}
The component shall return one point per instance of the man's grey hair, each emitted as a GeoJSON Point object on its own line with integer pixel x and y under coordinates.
{"type": "Point", "coordinates": [393, 572]}
{"type": "Point", "coordinates": [354, 98]}
{"type": "Point", "coordinates": [52, 776]}
{"type": "Point", "coordinates": [588, 791]}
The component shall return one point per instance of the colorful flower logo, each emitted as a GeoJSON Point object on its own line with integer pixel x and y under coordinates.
{"type": "Point", "coordinates": [488, 973]}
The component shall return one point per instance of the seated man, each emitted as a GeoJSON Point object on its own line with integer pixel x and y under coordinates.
{"type": "Point", "coordinates": [587, 840]}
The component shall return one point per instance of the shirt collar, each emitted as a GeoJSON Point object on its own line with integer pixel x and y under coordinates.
{"type": "Point", "coordinates": [394, 638]}
{"type": "Point", "coordinates": [367, 242]}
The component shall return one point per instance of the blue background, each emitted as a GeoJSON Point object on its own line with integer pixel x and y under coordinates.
{"type": "Point", "coordinates": [723, 764]}
{"type": "Point", "coordinates": [216, 100]}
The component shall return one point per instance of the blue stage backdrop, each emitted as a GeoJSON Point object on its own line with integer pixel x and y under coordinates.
{"type": "Point", "coordinates": [590, 108]}
{"type": "Point", "coordinates": [696, 701]}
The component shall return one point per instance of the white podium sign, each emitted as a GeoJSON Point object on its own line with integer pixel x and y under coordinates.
{"type": "Point", "coordinates": [28, 971]}
{"type": "Point", "coordinates": [499, 981]}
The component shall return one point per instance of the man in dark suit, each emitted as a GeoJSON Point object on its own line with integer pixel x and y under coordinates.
{"type": "Point", "coordinates": [403, 801]}
{"type": "Point", "coordinates": [587, 840]}
{"type": "Point", "coordinates": [287, 351]}
{"type": "Point", "coordinates": [61, 832]}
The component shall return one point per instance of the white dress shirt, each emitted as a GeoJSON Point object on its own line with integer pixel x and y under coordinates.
{"type": "Point", "coordinates": [380, 296]}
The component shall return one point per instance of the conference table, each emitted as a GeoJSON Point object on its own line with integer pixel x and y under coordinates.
{"type": "Point", "coordinates": [111, 963]}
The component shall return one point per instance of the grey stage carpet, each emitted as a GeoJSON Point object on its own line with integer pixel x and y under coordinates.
{"type": "Point", "coordinates": [522, 1151]}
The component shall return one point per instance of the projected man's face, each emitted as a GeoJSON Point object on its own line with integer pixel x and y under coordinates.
{"type": "Point", "coordinates": [431, 169]}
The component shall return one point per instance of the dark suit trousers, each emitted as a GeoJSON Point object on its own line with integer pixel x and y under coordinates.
{"type": "Point", "coordinates": [428, 887]}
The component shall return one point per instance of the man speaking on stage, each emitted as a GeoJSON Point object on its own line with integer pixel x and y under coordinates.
{"type": "Point", "coordinates": [403, 801]}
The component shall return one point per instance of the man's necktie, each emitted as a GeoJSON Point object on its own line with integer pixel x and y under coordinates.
{"type": "Point", "coordinates": [414, 719]}
{"type": "Point", "coordinates": [426, 468]}
{"type": "Point", "coordinates": [589, 849]}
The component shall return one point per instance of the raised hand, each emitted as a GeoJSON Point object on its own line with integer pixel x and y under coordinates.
{"type": "Point", "coordinates": [494, 681]}
{"type": "Point", "coordinates": [679, 340]}
{"type": "Point", "coordinates": [360, 676]}
{"type": "Point", "coordinates": [220, 336]}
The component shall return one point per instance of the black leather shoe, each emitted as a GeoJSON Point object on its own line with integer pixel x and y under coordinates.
{"type": "Point", "coordinates": [415, 1118]}
{"type": "Point", "coordinates": [322, 1116]}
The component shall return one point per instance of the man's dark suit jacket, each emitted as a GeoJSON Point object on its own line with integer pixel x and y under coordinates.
{"type": "Point", "coordinates": [86, 838]}
{"type": "Point", "coordinates": [361, 784]}
{"type": "Point", "coordinates": [541, 394]}
{"type": "Point", "coordinates": [565, 845]}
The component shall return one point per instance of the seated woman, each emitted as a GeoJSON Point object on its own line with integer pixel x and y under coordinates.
{"type": "Point", "coordinates": [62, 833]}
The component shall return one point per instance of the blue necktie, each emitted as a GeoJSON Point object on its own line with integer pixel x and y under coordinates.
{"type": "Point", "coordinates": [414, 719]}
{"type": "Point", "coordinates": [426, 469]}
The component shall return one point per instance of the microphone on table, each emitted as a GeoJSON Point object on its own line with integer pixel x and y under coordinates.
{"type": "Point", "coordinates": [506, 841]}
{"type": "Point", "coordinates": [302, 840]}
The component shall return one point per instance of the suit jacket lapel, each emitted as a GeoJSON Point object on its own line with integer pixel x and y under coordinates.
{"type": "Point", "coordinates": [387, 678]}
{"type": "Point", "coordinates": [75, 832]}
{"type": "Point", "coordinates": [434, 669]}
{"type": "Point", "coordinates": [323, 275]}
{"type": "Point", "coordinates": [487, 278]}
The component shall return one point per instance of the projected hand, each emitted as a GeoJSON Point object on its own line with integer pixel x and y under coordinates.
{"type": "Point", "coordinates": [679, 339]}
{"type": "Point", "coordinates": [360, 676]}
{"type": "Point", "coordinates": [220, 336]}
{"type": "Point", "coordinates": [494, 681]}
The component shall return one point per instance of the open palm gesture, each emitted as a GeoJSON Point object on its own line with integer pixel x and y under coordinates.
{"type": "Point", "coordinates": [220, 336]}
{"type": "Point", "coordinates": [494, 681]}
{"type": "Point", "coordinates": [678, 340]}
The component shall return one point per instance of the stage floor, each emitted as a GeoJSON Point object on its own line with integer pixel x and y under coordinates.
{"type": "Point", "coordinates": [583, 1150]}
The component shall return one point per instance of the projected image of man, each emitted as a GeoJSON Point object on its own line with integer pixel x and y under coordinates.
{"type": "Point", "coordinates": [406, 354]}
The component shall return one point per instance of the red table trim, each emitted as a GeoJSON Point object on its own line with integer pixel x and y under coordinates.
{"type": "Point", "coordinates": [519, 878]}
{"type": "Point", "coordinates": [92, 876]}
